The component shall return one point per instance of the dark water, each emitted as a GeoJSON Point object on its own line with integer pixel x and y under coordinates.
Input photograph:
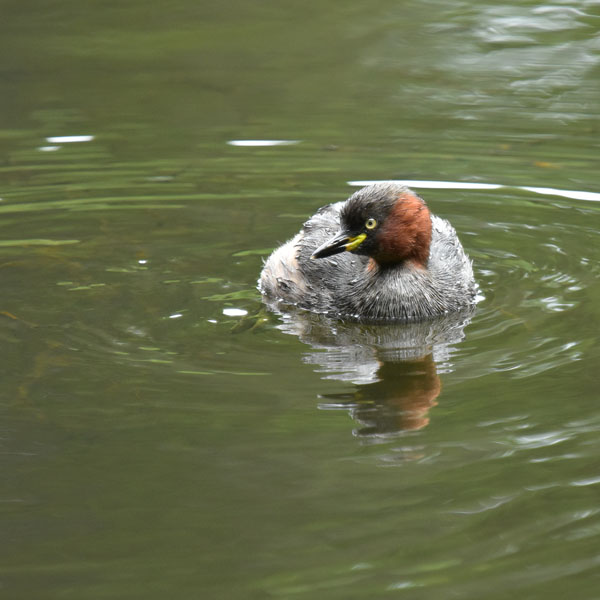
{"type": "Point", "coordinates": [162, 434]}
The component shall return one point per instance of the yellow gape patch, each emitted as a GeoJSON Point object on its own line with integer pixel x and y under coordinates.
{"type": "Point", "coordinates": [355, 242]}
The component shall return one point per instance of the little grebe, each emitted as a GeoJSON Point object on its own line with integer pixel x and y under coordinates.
{"type": "Point", "coordinates": [391, 260]}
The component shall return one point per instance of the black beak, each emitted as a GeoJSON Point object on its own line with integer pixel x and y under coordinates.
{"type": "Point", "coordinates": [341, 242]}
{"type": "Point", "coordinates": [333, 246]}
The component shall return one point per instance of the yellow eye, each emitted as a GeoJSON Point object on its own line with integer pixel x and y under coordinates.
{"type": "Point", "coordinates": [371, 224]}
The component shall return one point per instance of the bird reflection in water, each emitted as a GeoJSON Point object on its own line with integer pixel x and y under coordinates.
{"type": "Point", "coordinates": [394, 367]}
{"type": "Point", "coordinates": [399, 401]}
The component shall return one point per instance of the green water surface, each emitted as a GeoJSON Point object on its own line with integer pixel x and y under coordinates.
{"type": "Point", "coordinates": [162, 434]}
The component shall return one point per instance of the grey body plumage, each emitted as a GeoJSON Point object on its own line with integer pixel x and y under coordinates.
{"type": "Point", "coordinates": [353, 286]}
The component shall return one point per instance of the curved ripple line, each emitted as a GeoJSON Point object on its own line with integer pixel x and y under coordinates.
{"type": "Point", "coordinates": [573, 194]}
{"type": "Point", "coordinates": [262, 143]}
{"type": "Point", "coordinates": [490, 504]}
{"type": "Point", "coordinates": [586, 482]}
{"type": "Point", "coordinates": [69, 139]}
{"type": "Point", "coordinates": [446, 185]}
{"type": "Point", "coordinates": [460, 185]}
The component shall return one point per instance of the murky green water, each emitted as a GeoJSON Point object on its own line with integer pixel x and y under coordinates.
{"type": "Point", "coordinates": [162, 434]}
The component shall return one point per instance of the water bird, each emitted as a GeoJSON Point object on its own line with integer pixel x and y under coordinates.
{"type": "Point", "coordinates": [379, 256]}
